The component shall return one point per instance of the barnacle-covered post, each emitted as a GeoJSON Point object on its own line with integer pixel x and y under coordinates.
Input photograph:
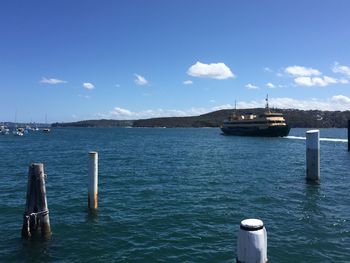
{"type": "Point", "coordinates": [313, 155]}
{"type": "Point", "coordinates": [93, 181]}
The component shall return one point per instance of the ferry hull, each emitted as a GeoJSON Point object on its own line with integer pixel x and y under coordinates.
{"type": "Point", "coordinates": [272, 131]}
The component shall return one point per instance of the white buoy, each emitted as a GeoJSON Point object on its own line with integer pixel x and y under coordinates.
{"type": "Point", "coordinates": [252, 242]}
{"type": "Point", "coordinates": [93, 180]}
{"type": "Point", "coordinates": [313, 155]}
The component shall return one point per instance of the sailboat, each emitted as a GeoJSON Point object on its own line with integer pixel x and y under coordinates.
{"type": "Point", "coordinates": [4, 130]}
{"type": "Point", "coordinates": [46, 130]}
{"type": "Point", "coordinates": [17, 131]}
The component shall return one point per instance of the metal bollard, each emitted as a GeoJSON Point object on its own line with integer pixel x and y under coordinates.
{"type": "Point", "coordinates": [252, 242]}
{"type": "Point", "coordinates": [93, 181]}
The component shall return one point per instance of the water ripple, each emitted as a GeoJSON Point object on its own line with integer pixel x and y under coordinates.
{"type": "Point", "coordinates": [177, 195]}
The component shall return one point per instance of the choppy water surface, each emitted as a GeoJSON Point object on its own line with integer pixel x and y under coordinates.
{"type": "Point", "coordinates": [176, 195]}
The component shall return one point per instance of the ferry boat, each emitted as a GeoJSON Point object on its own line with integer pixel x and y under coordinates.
{"type": "Point", "coordinates": [268, 124]}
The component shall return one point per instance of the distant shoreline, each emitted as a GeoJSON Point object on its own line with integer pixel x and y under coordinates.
{"type": "Point", "coordinates": [295, 119]}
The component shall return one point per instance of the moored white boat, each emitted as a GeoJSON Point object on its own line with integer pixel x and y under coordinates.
{"type": "Point", "coordinates": [18, 132]}
{"type": "Point", "coordinates": [4, 130]}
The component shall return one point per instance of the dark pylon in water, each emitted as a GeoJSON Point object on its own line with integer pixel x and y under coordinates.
{"type": "Point", "coordinates": [36, 215]}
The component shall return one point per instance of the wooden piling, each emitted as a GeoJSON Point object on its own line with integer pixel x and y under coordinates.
{"type": "Point", "coordinates": [93, 181]}
{"type": "Point", "coordinates": [29, 208]}
{"type": "Point", "coordinates": [313, 155]}
{"type": "Point", "coordinates": [36, 210]}
{"type": "Point", "coordinates": [42, 200]}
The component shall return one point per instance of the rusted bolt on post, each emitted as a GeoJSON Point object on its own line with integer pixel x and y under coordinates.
{"type": "Point", "coordinates": [36, 213]}
{"type": "Point", "coordinates": [93, 181]}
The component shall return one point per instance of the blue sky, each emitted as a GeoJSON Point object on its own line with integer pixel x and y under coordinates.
{"type": "Point", "coordinates": [74, 60]}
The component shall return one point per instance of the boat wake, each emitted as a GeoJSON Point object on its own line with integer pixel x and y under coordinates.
{"type": "Point", "coordinates": [321, 139]}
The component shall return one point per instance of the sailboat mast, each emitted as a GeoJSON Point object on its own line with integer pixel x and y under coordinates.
{"type": "Point", "coordinates": [16, 118]}
{"type": "Point", "coordinates": [267, 102]}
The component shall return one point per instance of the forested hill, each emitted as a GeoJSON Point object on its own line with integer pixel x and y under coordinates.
{"type": "Point", "coordinates": [295, 118]}
{"type": "Point", "coordinates": [95, 123]}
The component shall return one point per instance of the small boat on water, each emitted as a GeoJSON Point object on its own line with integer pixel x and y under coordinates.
{"type": "Point", "coordinates": [268, 124]}
{"type": "Point", "coordinates": [18, 132]}
{"type": "Point", "coordinates": [46, 130]}
{"type": "Point", "coordinates": [4, 130]}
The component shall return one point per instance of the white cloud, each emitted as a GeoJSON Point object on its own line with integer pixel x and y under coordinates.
{"type": "Point", "coordinates": [213, 70]}
{"type": "Point", "coordinates": [337, 102]}
{"type": "Point", "coordinates": [267, 69]}
{"type": "Point", "coordinates": [343, 81]}
{"type": "Point", "coordinates": [270, 85]}
{"type": "Point", "coordinates": [88, 85]}
{"type": "Point", "coordinates": [221, 107]}
{"type": "Point", "coordinates": [302, 71]}
{"type": "Point", "coordinates": [120, 113]}
{"type": "Point", "coordinates": [315, 81]}
{"type": "Point", "coordinates": [251, 86]}
{"type": "Point", "coordinates": [341, 99]}
{"type": "Point", "coordinates": [341, 69]}
{"type": "Point", "coordinates": [187, 82]}
{"type": "Point", "coordinates": [84, 96]}
{"type": "Point", "coordinates": [51, 81]}
{"type": "Point", "coordinates": [101, 115]}
{"type": "Point", "coordinates": [140, 80]}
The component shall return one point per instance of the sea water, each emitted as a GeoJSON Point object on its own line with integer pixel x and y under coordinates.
{"type": "Point", "coordinates": [176, 195]}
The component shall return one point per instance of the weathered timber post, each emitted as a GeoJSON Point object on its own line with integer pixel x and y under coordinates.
{"type": "Point", "coordinates": [27, 227]}
{"type": "Point", "coordinates": [36, 211]}
{"type": "Point", "coordinates": [313, 155]}
{"type": "Point", "coordinates": [42, 200]}
{"type": "Point", "coordinates": [348, 135]}
{"type": "Point", "coordinates": [93, 181]}
{"type": "Point", "coordinates": [252, 242]}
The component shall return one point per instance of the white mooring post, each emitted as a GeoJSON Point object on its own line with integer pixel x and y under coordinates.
{"type": "Point", "coordinates": [252, 242]}
{"type": "Point", "coordinates": [313, 155]}
{"type": "Point", "coordinates": [93, 180]}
